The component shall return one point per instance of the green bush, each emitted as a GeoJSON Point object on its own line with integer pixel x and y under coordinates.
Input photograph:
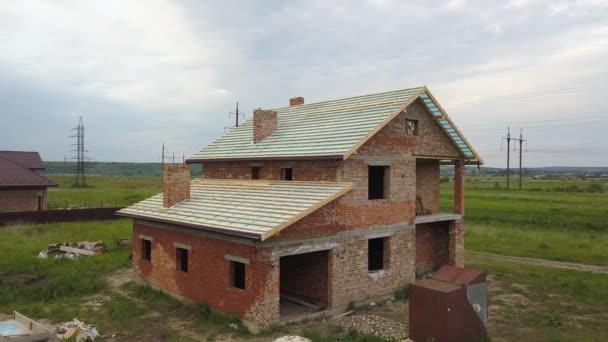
{"type": "Point", "coordinates": [403, 293]}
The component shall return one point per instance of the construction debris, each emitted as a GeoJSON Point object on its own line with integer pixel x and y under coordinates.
{"type": "Point", "coordinates": [22, 329]}
{"type": "Point", "coordinates": [78, 331]}
{"type": "Point", "coordinates": [375, 325]}
{"type": "Point", "coordinates": [292, 338]}
{"type": "Point", "coordinates": [124, 242]}
{"type": "Point", "coordinates": [72, 250]}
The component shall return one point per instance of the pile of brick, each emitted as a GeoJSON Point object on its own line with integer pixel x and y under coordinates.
{"type": "Point", "coordinates": [72, 250]}
{"type": "Point", "coordinates": [77, 331]}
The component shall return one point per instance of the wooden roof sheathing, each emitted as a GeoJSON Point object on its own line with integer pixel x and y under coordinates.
{"type": "Point", "coordinates": [251, 208]}
{"type": "Point", "coordinates": [323, 129]}
{"type": "Point", "coordinates": [331, 129]}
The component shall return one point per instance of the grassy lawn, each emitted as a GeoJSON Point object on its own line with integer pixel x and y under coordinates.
{"type": "Point", "coordinates": [64, 281]}
{"type": "Point", "coordinates": [529, 303]}
{"type": "Point", "coordinates": [112, 190]}
{"type": "Point", "coordinates": [540, 221]}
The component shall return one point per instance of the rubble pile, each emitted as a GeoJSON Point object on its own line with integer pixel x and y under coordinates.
{"type": "Point", "coordinates": [375, 325]}
{"type": "Point", "coordinates": [72, 250]}
{"type": "Point", "coordinates": [78, 331]}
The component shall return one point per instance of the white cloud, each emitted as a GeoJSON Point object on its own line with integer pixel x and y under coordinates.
{"type": "Point", "coordinates": [147, 56]}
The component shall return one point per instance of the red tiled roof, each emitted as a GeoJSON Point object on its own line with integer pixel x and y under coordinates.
{"type": "Point", "coordinates": [13, 175]}
{"type": "Point", "coordinates": [29, 160]}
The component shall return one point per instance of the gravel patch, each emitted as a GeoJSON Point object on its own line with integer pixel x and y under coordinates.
{"type": "Point", "coordinates": [375, 325]}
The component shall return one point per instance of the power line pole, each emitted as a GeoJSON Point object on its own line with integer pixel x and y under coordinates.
{"type": "Point", "coordinates": [508, 138]}
{"type": "Point", "coordinates": [521, 141]}
{"type": "Point", "coordinates": [162, 163]}
{"type": "Point", "coordinates": [236, 114]}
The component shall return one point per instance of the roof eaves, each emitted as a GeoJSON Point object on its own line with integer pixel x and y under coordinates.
{"type": "Point", "coordinates": [191, 225]}
{"type": "Point", "coordinates": [477, 159]}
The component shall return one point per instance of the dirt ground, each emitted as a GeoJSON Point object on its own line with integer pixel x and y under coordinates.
{"type": "Point", "coordinates": [539, 262]}
{"type": "Point", "coordinates": [512, 306]}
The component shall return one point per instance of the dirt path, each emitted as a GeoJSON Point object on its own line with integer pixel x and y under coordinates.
{"type": "Point", "coordinates": [540, 262]}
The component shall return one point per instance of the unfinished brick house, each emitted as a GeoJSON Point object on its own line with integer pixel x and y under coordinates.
{"type": "Point", "coordinates": [308, 208]}
{"type": "Point", "coordinates": [22, 186]}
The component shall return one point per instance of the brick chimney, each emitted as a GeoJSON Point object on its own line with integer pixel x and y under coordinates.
{"type": "Point", "coordinates": [294, 101]}
{"type": "Point", "coordinates": [176, 184]}
{"type": "Point", "coordinates": [264, 123]}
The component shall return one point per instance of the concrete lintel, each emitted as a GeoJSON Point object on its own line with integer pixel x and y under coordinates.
{"type": "Point", "coordinates": [182, 246]}
{"type": "Point", "coordinates": [384, 229]}
{"type": "Point", "coordinates": [379, 161]}
{"type": "Point", "coordinates": [304, 248]}
{"type": "Point", "coordinates": [146, 237]}
{"type": "Point", "coordinates": [236, 258]}
{"type": "Point", "coordinates": [437, 218]}
{"type": "Point", "coordinates": [208, 235]}
{"type": "Point", "coordinates": [379, 235]}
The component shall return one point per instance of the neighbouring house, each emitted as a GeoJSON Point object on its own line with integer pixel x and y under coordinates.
{"type": "Point", "coordinates": [307, 208]}
{"type": "Point", "coordinates": [22, 185]}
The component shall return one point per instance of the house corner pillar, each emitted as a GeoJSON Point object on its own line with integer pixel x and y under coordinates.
{"type": "Point", "coordinates": [459, 176]}
{"type": "Point", "coordinates": [456, 243]}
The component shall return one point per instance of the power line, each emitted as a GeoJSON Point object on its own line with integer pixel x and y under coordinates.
{"type": "Point", "coordinates": [542, 126]}
{"type": "Point", "coordinates": [563, 91]}
{"type": "Point", "coordinates": [537, 121]}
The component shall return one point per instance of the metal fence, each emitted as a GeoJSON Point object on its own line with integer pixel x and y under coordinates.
{"type": "Point", "coordinates": [51, 216]}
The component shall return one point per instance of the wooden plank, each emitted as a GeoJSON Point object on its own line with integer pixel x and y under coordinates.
{"type": "Point", "coordinates": [78, 251]}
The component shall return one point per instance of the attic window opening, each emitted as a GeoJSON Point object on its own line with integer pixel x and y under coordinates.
{"type": "Point", "coordinates": [182, 259]}
{"type": "Point", "coordinates": [286, 173]}
{"type": "Point", "coordinates": [378, 180]}
{"type": "Point", "coordinates": [146, 249]}
{"type": "Point", "coordinates": [411, 127]}
{"type": "Point", "coordinates": [255, 172]}
{"type": "Point", "coordinates": [237, 274]}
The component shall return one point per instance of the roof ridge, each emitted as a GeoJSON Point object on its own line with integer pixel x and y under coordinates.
{"type": "Point", "coordinates": [350, 97]}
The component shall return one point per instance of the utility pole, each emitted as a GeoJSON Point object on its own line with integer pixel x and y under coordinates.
{"type": "Point", "coordinates": [162, 164]}
{"type": "Point", "coordinates": [521, 141]}
{"type": "Point", "coordinates": [508, 138]}
{"type": "Point", "coordinates": [236, 114]}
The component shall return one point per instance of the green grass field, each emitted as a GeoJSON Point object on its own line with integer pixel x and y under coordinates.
{"type": "Point", "coordinates": [546, 223]}
{"type": "Point", "coordinates": [111, 190]}
{"type": "Point", "coordinates": [528, 302]}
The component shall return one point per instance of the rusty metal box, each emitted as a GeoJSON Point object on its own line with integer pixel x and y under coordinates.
{"type": "Point", "coordinates": [449, 306]}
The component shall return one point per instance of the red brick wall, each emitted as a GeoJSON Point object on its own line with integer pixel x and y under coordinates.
{"type": "Point", "coordinates": [306, 275]}
{"type": "Point", "coordinates": [207, 279]}
{"type": "Point", "coordinates": [430, 141]}
{"type": "Point", "coordinates": [431, 246]}
{"type": "Point", "coordinates": [459, 177]}
{"type": "Point", "coordinates": [427, 183]}
{"type": "Point", "coordinates": [302, 170]}
{"type": "Point", "coordinates": [22, 199]}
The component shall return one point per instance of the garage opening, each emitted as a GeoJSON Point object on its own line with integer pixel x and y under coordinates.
{"type": "Point", "coordinates": [304, 280]}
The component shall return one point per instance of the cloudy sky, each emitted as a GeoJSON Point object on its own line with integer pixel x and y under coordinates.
{"type": "Point", "coordinates": [144, 72]}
